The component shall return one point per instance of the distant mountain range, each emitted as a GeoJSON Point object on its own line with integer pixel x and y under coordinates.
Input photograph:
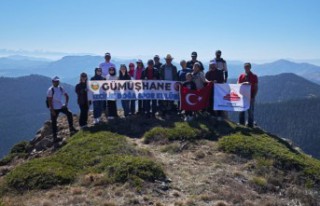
{"type": "Point", "coordinates": [289, 106]}
{"type": "Point", "coordinates": [23, 108]}
{"type": "Point", "coordinates": [284, 87]}
{"type": "Point", "coordinates": [69, 67]}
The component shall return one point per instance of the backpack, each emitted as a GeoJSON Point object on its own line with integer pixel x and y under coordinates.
{"type": "Point", "coordinates": [52, 90]}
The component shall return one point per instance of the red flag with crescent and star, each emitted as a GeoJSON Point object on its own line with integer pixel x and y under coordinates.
{"type": "Point", "coordinates": [195, 100]}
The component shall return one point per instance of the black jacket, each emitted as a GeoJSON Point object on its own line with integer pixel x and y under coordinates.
{"type": "Point", "coordinates": [155, 74]}
{"type": "Point", "coordinates": [98, 77]}
{"type": "Point", "coordinates": [191, 63]}
{"type": "Point", "coordinates": [81, 90]}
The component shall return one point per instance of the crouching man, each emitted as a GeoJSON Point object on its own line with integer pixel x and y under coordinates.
{"type": "Point", "coordinates": [55, 96]}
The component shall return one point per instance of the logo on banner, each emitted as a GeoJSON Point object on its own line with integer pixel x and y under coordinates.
{"type": "Point", "coordinates": [95, 86]}
{"type": "Point", "coordinates": [232, 96]}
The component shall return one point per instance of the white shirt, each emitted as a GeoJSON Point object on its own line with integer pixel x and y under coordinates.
{"type": "Point", "coordinates": [105, 68]}
{"type": "Point", "coordinates": [109, 77]}
{"type": "Point", "coordinates": [57, 98]}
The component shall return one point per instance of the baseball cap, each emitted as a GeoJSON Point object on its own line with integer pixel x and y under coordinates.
{"type": "Point", "coordinates": [107, 54]}
{"type": "Point", "coordinates": [150, 62]}
{"type": "Point", "coordinates": [55, 79]}
{"type": "Point", "coordinates": [194, 54]}
{"type": "Point", "coordinates": [212, 62]}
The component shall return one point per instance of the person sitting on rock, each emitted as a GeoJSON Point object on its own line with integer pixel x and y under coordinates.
{"type": "Point", "coordinates": [55, 103]}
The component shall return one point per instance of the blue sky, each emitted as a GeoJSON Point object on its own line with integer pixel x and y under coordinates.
{"type": "Point", "coordinates": [242, 29]}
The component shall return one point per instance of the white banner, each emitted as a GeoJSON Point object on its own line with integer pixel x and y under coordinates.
{"type": "Point", "coordinates": [231, 97]}
{"type": "Point", "coordinates": [133, 89]}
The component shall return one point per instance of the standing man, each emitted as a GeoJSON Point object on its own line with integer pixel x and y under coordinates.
{"type": "Point", "coordinates": [194, 60]}
{"type": "Point", "coordinates": [106, 65]}
{"type": "Point", "coordinates": [168, 72]}
{"type": "Point", "coordinates": [150, 73]}
{"type": "Point", "coordinates": [157, 63]}
{"type": "Point", "coordinates": [215, 76]}
{"type": "Point", "coordinates": [251, 79]}
{"type": "Point", "coordinates": [221, 65]}
{"type": "Point", "coordinates": [55, 104]}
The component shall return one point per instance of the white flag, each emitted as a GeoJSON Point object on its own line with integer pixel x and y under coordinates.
{"type": "Point", "coordinates": [231, 97]}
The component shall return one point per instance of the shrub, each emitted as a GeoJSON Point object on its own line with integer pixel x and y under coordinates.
{"type": "Point", "coordinates": [85, 153]}
{"type": "Point", "coordinates": [181, 131]}
{"type": "Point", "coordinates": [271, 151]}
{"type": "Point", "coordinates": [124, 168]}
{"type": "Point", "coordinates": [20, 150]}
{"type": "Point", "coordinates": [40, 174]}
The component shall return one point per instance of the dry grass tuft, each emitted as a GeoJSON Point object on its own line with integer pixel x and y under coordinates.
{"type": "Point", "coordinates": [221, 203]}
{"type": "Point", "coordinates": [109, 204]}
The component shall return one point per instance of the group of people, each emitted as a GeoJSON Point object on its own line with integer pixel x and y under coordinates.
{"type": "Point", "coordinates": [191, 75]}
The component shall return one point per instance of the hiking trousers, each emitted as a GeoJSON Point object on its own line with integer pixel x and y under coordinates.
{"type": "Point", "coordinates": [54, 118]}
{"type": "Point", "coordinates": [242, 115]}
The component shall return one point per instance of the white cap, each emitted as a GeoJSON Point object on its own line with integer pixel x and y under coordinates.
{"type": "Point", "coordinates": [56, 79]}
{"type": "Point", "coordinates": [212, 62]}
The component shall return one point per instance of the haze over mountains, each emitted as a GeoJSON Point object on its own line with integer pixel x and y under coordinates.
{"type": "Point", "coordinates": [69, 67]}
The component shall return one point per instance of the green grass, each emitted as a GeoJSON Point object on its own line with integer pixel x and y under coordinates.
{"type": "Point", "coordinates": [20, 150]}
{"type": "Point", "coordinates": [183, 131]}
{"type": "Point", "coordinates": [271, 151]}
{"type": "Point", "coordinates": [259, 181]}
{"type": "Point", "coordinates": [100, 152]}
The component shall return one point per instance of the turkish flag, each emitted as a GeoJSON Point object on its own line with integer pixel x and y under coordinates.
{"type": "Point", "coordinates": [195, 100]}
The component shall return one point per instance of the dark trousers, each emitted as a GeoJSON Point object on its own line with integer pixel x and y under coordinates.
{"type": "Point", "coordinates": [125, 106]}
{"type": "Point", "coordinates": [146, 106]}
{"type": "Point", "coordinates": [132, 107]}
{"type": "Point", "coordinates": [98, 108]}
{"type": "Point", "coordinates": [242, 115]}
{"type": "Point", "coordinates": [83, 119]}
{"type": "Point", "coordinates": [189, 113]}
{"type": "Point", "coordinates": [112, 108]}
{"type": "Point", "coordinates": [166, 106]}
{"type": "Point", "coordinates": [54, 118]}
{"type": "Point", "coordinates": [140, 106]}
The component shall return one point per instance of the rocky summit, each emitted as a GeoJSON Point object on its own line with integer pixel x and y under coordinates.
{"type": "Point", "coordinates": [152, 161]}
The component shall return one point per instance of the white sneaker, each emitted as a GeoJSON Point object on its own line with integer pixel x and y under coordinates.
{"type": "Point", "coordinates": [186, 119]}
{"type": "Point", "coordinates": [96, 121]}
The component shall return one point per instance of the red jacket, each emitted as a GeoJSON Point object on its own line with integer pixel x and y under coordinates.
{"type": "Point", "coordinates": [252, 79]}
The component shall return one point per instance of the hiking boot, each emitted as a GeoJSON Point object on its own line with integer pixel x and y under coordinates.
{"type": "Point", "coordinates": [56, 139]}
{"type": "Point", "coordinates": [73, 130]}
